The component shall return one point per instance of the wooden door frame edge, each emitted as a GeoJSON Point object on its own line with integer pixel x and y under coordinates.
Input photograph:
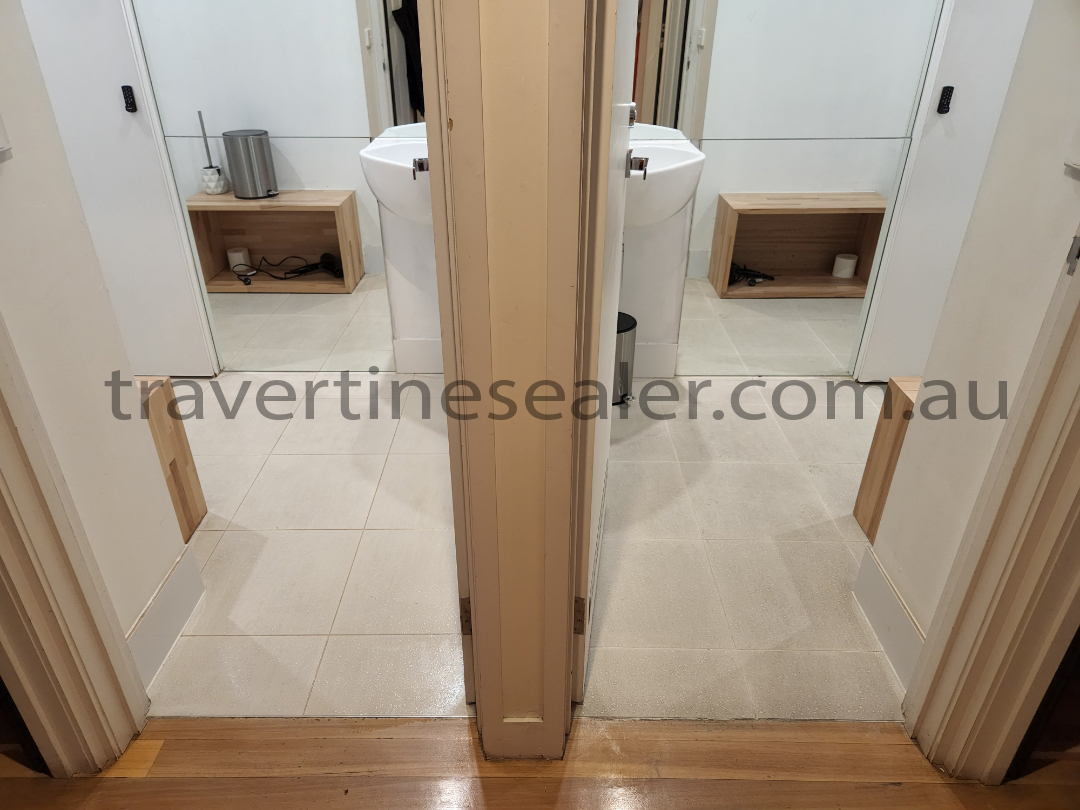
{"type": "Point", "coordinates": [63, 654]}
{"type": "Point", "coordinates": [1011, 604]}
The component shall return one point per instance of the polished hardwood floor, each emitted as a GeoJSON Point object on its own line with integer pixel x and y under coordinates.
{"type": "Point", "coordinates": [624, 764]}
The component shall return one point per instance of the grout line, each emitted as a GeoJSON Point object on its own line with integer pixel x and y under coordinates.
{"type": "Point", "coordinates": [315, 677]}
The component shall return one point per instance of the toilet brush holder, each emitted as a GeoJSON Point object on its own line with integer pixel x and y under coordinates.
{"type": "Point", "coordinates": [213, 180]}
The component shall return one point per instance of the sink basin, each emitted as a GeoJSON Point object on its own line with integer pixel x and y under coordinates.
{"type": "Point", "coordinates": [388, 167]}
{"type": "Point", "coordinates": [670, 182]}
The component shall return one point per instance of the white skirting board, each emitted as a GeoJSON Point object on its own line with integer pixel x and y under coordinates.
{"type": "Point", "coordinates": [901, 639]}
{"type": "Point", "coordinates": [655, 359]}
{"type": "Point", "coordinates": [161, 623]}
{"type": "Point", "coordinates": [417, 356]}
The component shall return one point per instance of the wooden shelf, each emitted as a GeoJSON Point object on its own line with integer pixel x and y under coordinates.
{"type": "Point", "coordinates": [795, 237]}
{"type": "Point", "coordinates": [301, 223]}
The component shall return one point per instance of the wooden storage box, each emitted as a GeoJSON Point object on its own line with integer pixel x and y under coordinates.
{"type": "Point", "coordinates": [294, 223]}
{"type": "Point", "coordinates": [796, 238]}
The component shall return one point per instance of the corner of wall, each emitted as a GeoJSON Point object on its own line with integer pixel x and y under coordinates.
{"type": "Point", "coordinates": [158, 628]}
{"type": "Point", "coordinates": [900, 637]}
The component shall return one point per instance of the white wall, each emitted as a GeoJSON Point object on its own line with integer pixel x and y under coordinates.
{"type": "Point", "coordinates": [817, 95]}
{"type": "Point", "coordinates": [1024, 218]}
{"type": "Point", "coordinates": [121, 174]}
{"type": "Point", "coordinates": [57, 309]}
{"type": "Point", "coordinates": [976, 55]}
{"type": "Point", "coordinates": [291, 67]}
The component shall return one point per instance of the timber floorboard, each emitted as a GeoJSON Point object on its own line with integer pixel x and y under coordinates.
{"type": "Point", "coordinates": [275, 764]}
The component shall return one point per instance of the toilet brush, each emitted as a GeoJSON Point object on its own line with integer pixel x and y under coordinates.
{"type": "Point", "coordinates": [213, 181]}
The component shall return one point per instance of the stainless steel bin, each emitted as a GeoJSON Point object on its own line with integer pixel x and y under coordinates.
{"type": "Point", "coordinates": [251, 166]}
{"type": "Point", "coordinates": [625, 337]}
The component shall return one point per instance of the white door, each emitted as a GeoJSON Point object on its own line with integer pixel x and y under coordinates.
{"type": "Point", "coordinates": [122, 174]}
{"type": "Point", "coordinates": [621, 104]}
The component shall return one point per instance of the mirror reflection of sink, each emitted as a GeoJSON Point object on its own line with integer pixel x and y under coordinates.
{"type": "Point", "coordinates": [656, 241]}
{"type": "Point", "coordinates": [388, 167]}
{"type": "Point", "coordinates": [408, 240]}
{"type": "Point", "coordinates": [668, 184]}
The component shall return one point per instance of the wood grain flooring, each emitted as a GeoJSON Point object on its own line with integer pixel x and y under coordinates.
{"type": "Point", "coordinates": [627, 764]}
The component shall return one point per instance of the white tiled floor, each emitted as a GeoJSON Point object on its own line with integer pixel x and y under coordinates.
{"type": "Point", "coordinates": [724, 585]}
{"type": "Point", "coordinates": [769, 336]}
{"type": "Point", "coordinates": [305, 331]}
{"type": "Point", "coordinates": [328, 559]}
{"type": "Point", "coordinates": [728, 558]}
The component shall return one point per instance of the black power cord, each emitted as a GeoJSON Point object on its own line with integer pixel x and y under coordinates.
{"type": "Point", "coordinates": [328, 263]}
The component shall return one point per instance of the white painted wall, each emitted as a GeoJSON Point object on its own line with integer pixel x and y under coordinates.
{"type": "Point", "coordinates": [817, 95]}
{"type": "Point", "coordinates": [1025, 214]}
{"type": "Point", "coordinates": [58, 311]}
{"type": "Point", "coordinates": [976, 55]}
{"type": "Point", "coordinates": [121, 174]}
{"type": "Point", "coordinates": [291, 67]}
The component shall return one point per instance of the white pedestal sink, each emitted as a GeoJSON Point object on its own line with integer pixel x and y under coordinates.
{"type": "Point", "coordinates": [656, 241]}
{"type": "Point", "coordinates": [404, 197]}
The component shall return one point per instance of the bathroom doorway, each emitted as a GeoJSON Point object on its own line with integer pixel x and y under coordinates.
{"type": "Point", "coordinates": [328, 552]}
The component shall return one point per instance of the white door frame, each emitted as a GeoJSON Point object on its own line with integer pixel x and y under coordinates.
{"type": "Point", "coordinates": [63, 655]}
{"type": "Point", "coordinates": [1011, 605]}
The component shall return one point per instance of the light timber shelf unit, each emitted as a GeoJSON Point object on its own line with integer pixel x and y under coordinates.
{"type": "Point", "coordinates": [294, 223]}
{"type": "Point", "coordinates": [795, 237]}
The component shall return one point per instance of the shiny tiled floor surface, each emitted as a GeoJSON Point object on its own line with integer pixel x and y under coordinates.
{"type": "Point", "coordinates": [728, 558]}
{"type": "Point", "coordinates": [769, 336]}
{"type": "Point", "coordinates": [299, 332]}
{"type": "Point", "coordinates": [724, 586]}
{"type": "Point", "coordinates": [328, 559]}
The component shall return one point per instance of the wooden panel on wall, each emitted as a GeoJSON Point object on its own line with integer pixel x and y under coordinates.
{"type": "Point", "coordinates": [174, 453]}
{"type": "Point", "coordinates": [885, 452]}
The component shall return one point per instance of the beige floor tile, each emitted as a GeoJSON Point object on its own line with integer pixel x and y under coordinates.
{"type": "Point", "coordinates": [827, 309]}
{"type": "Point", "coordinates": [202, 545]}
{"type": "Point", "coordinates": [331, 433]}
{"type": "Point", "coordinates": [417, 434]}
{"type": "Point", "coordinates": [657, 593]}
{"type": "Point", "coordinates": [274, 583]}
{"type": "Point", "coordinates": [367, 332]}
{"type": "Point", "coordinates": [231, 331]}
{"type": "Point", "coordinates": [248, 433]}
{"type": "Point", "coordinates": [322, 304]}
{"type": "Point", "coordinates": [843, 391]}
{"type": "Point", "coordinates": [648, 499]}
{"type": "Point", "coordinates": [639, 437]}
{"type": "Point", "coordinates": [790, 596]}
{"type": "Point", "coordinates": [705, 684]}
{"type": "Point", "coordinates": [402, 582]}
{"type": "Point", "coordinates": [842, 439]}
{"type": "Point", "coordinates": [300, 331]}
{"type": "Point", "coordinates": [414, 493]}
{"type": "Point", "coordinates": [840, 336]}
{"type": "Point", "coordinates": [358, 360]}
{"type": "Point", "coordinates": [225, 481]}
{"type": "Point", "coordinates": [697, 307]}
{"type": "Point", "coordinates": [390, 676]}
{"type": "Point", "coordinates": [384, 390]}
{"type": "Point", "coordinates": [376, 304]}
{"type": "Point", "coordinates": [278, 359]}
{"type": "Point", "coordinates": [761, 337]}
{"type": "Point", "coordinates": [838, 485]}
{"type": "Point", "coordinates": [372, 281]}
{"type": "Point", "coordinates": [236, 676]}
{"type": "Point", "coordinates": [799, 685]}
{"type": "Point", "coordinates": [733, 437]}
{"type": "Point", "coordinates": [768, 309]}
{"type": "Point", "coordinates": [225, 304]}
{"type": "Point", "coordinates": [311, 492]}
{"type": "Point", "coordinates": [745, 501]}
{"type": "Point", "coordinates": [791, 365]}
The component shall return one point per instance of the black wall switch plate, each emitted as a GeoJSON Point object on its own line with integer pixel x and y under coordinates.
{"type": "Point", "coordinates": [129, 98]}
{"type": "Point", "coordinates": [945, 103]}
